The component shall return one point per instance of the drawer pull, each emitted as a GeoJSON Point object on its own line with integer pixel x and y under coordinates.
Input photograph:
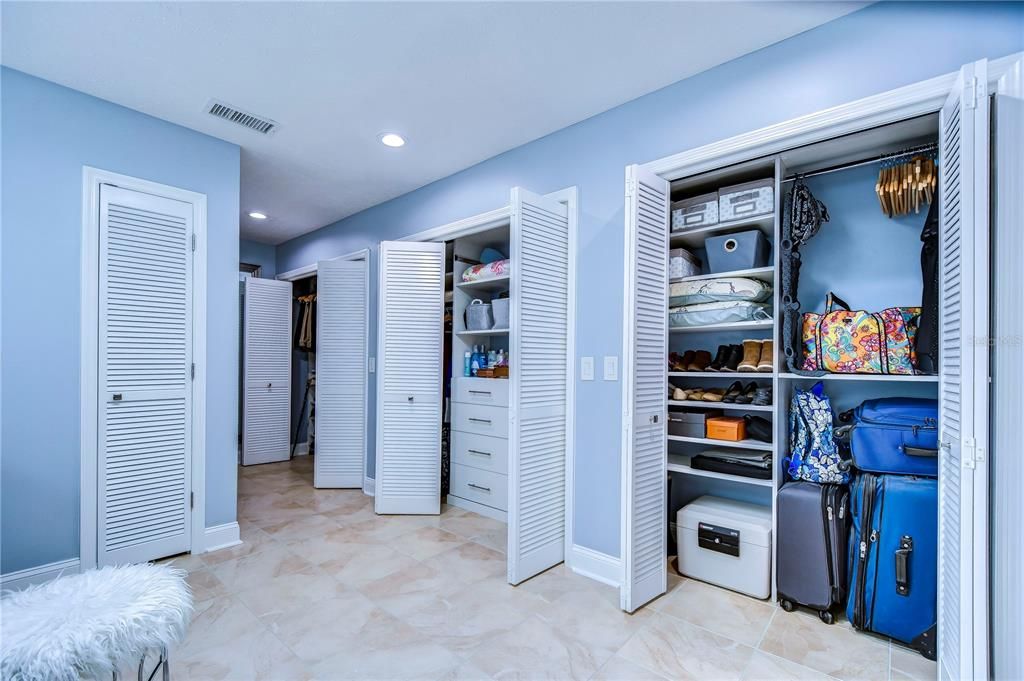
{"type": "Point", "coordinates": [477, 451]}
{"type": "Point", "coordinates": [479, 392]}
{"type": "Point", "coordinates": [473, 418]}
{"type": "Point", "coordinates": [479, 487]}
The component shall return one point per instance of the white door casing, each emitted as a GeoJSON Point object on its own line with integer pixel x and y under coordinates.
{"type": "Point", "coordinates": [268, 361]}
{"type": "Point", "coordinates": [341, 381]}
{"type": "Point", "coordinates": [645, 378]}
{"type": "Point", "coordinates": [538, 390]}
{"type": "Point", "coordinates": [409, 347]}
{"type": "Point", "coordinates": [144, 446]}
{"type": "Point", "coordinates": [963, 376]}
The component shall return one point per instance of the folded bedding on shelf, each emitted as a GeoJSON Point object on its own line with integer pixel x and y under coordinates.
{"type": "Point", "coordinates": [719, 290]}
{"type": "Point", "coordinates": [490, 270]}
{"type": "Point", "coordinates": [718, 313]}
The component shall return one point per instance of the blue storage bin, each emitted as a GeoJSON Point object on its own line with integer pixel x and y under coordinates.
{"type": "Point", "coordinates": [739, 251]}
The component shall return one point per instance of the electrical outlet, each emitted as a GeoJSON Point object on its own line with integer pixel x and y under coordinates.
{"type": "Point", "coordinates": [586, 368]}
{"type": "Point", "coordinates": [611, 368]}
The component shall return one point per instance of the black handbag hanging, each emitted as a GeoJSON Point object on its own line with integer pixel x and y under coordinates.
{"type": "Point", "coordinates": [926, 342]}
{"type": "Point", "coordinates": [803, 216]}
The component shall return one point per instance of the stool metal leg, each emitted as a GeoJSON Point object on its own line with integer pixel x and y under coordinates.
{"type": "Point", "coordinates": [165, 661]}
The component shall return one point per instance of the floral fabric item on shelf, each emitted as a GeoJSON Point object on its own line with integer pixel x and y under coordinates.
{"type": "Point", "coordinates": [491, 270]}
{"type": "Point", "coordinates": [815, 455]}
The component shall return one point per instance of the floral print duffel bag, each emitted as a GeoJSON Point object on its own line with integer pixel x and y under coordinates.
{"type": "Point", "coordinates": [846, 341]}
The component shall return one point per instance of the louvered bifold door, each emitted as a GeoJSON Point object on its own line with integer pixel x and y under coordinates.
{"type": "Point", "coordinates": [644, 370]}
{"type": "Point", "coordinates": [410, 330]}
{"type": "Point", "coordinates": [268, 370]}
{"type": "Point", "coordinates": [539, 375]}
{"type": "Point", "coordinates": [340, 373]}
{"type": "Point", "coordinates": [963, 378]}
{"type": "Point", "coordinates": [145, 359]}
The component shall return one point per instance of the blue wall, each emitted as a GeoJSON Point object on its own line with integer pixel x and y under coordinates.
{"type": "Point", "coordinates": [844, 60]}
{"type": "Point", "coordinates": [50, 132]}
{"type": "Point", "coordinates": [255, 253]}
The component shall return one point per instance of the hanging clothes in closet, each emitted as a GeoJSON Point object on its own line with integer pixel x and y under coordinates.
{"type": "Point", "coordinates": [305, 327]}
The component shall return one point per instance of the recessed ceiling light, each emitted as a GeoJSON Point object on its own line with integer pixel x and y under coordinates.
{"type": "Point", "coordinates": [392, 139]}
{"type": "Point", "coordinates": [257, 215]}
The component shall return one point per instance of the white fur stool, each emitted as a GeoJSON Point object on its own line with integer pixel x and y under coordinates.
{"type": "Point", "coordinates": [92, 624]}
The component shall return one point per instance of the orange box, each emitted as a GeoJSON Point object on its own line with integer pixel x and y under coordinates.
{"type": "Point", "coordinates": [730, 428]}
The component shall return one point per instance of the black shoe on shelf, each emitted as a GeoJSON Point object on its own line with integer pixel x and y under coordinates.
{"type": "Point", "coordinates": [732, 361]}
{"type": "Point", "coordinates": [758, 428]}
{"type": "Point", "coordinates": [721, 358]}
{"type": "Point", "coordinates": [733, 392]}
{"type": "Point", "coordinates": [747, 396]}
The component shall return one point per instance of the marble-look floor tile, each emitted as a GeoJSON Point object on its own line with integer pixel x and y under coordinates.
{"type": "Point", "coordinates": [351, 562]}
{"type": "Point", "coordinates": [216, 624]}
{"type": "Point", "coordinates": [426, 542]}
{"type": "Point", "coordinates": [765, 667]}
{"type": "Point", "coordinates": [598, 622]}
{"type": "Point", "coordinates": [407, 590]}
{"type": "Point", "coordinates": [309, 525]}
{"type": "Point", "coordinates": [315, 631]}
{"type": "Point", "coordinates": [253, 539]}
{"type": "Point", "coordinates": [621, 669]}
{"type": "Point", "coordinates": [259, 656]}
{"type": "Point", "coordinates": [910, 665]}
{"type": "Point", "coordinates": [205, 585]}
{"type": "Point", "coordinates": [536, 650]}
{"type": "Point", "coordinates": [467, 617]}
{"type": "Point", "coordinates": [679, 650]}
{"type": "Point", "coordinates": [469, 563]}
{"type": "Point", "coordinates": [469, 525]}
{"type": "Point", "coordinates": [837, 651]}
{"type": "Point", "coordinates": [724, 612]}
{"type": "Point", "coordinates": [497, 539]}
{"type": "Point", "coordinates": [292, 591]}
{"type": "Point", "coordinates": [184, 561]}
{"type": "Point", "coordinates": [411, 661]}
{"type": "Point", "coordinates": [555, 582]}
{"type": "Point", "coordinates": [248, 571]}
{"type": "Point", "coordinates": [465, 671]}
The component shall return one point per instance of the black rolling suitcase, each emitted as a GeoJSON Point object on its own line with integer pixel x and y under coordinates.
{"type": "Point", "coordinates": [812, 532]}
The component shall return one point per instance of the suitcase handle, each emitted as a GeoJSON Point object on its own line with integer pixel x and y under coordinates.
{"type": "Point", "coordinates": [902, 565]}
{"type": "Point", "coordinates": [919, 451]}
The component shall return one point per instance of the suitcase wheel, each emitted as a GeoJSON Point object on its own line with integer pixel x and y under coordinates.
{"type": "Point", "coordinates": [788, 606]}
{"type": "Point", "coordinates": [826, 616]}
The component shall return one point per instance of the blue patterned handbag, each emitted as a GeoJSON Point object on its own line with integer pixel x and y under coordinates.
{"type": "Point", "coordinates": [814, 454]}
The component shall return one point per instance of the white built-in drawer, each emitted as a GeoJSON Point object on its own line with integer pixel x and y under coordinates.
{"type": "Point", "coordinates": [480, 451]}
{"type": "Point", "coordinates": [480, 419]}
{"type": "Point", "coordinates": [483, 487]}
{"type": "Point", "coordinates": [492, 391]}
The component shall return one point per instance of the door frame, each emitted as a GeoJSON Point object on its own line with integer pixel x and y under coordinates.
{"type": "Point", "coordinates": [497, 218]}
{"type": "Point", "coordinates": [921, 98]}
{"type": "Point", "coordinates": [92, 178]}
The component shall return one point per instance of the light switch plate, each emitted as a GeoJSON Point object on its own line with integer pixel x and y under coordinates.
{"type": "Point", "coordinates": [586, 368]}
{"type": "Point", "coordinates": [611, 368]}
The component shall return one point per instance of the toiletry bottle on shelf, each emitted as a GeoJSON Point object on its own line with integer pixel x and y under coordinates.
{"type": "Point", "coordinates": [467, 361]}
{"type": "Point", "coordinates": [475, 361]}
{"type": "Point", "coordinates": [492, 359]}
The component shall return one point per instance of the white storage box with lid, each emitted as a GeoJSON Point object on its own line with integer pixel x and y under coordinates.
{"type": "Point", "coordinates": [682, 263]}
{"type": "Point", "coordinates": [698, 211]}
{"type": "Point", "coordinates": [746, 200]}
{"type": "Point", "coordinates": [726, 542]}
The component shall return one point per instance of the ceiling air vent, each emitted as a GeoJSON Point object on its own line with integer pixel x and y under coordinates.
{"type": "Point", "coordinates": [261, 125]}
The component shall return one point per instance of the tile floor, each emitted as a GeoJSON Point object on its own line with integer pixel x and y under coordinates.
{"type": "Point", "coordinates": [322, 588]}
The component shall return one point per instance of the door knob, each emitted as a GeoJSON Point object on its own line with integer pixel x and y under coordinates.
{"type": "Point", "coordinates": [269, 385]}
{"type": "Point", "coordinates": [411, 398]}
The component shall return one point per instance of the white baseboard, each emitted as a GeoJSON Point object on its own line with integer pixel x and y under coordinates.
{"type": "Point", "coordinates": [221, 537]}
{"type": "Point", "coordinates": [15, 581]}
{"type": "Point", "coordinates": [369, 486]}
{"type": "Point", "coordinates": [302, 449]}
{"type": "Point", "coordinates": [595, 565]}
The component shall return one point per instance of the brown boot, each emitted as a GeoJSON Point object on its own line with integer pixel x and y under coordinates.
{"type": "Point", "coordinates": [767, 361]}
{"type": "Point", "coordinates": [701, 360]}
{"type": "Point", "coordinates": [751, 355]}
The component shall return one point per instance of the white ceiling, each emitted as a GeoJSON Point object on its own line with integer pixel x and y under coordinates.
{"type": "Point", "coordinates": [462, 81]}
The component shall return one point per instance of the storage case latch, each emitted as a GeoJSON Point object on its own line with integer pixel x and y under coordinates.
{"type": "Point", "coordinates": [719, 539]}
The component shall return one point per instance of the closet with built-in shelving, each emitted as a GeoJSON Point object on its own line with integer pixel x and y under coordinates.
{"type": "Point", "coordinates": [509, 435]}
{"type": "Point", "coordinates": [871, 261]}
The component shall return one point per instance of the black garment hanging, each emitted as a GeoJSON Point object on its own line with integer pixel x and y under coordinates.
{"type": "Point", "coordinates": [926, 343]}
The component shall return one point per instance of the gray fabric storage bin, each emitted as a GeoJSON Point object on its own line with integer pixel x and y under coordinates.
{"type": "Point", "coordinates": [739, 251]}
{"type": "Point", "coordinates": [478, 316]}
{"type": "Point", "coordinates": [746, 200]}
{"type": "Point", "coordinates": [690, 423]}
{"type": "Point", "coordinates": [499, 308]}
{"type": "Point", "coordinates": [698, 211]}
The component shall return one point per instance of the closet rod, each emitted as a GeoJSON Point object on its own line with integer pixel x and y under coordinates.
{"type": "Point", "coordinates": [864, 162]}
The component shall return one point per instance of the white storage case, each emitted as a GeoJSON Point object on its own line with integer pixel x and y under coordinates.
{"type": "Point", "coordinates": [728, 543]}
{"type": "Point", "coordinates": [699, 211]}
{"type": "Point", "coordinates": [682, 263]}
{"type": "Point", "coordinates": [746, 200]}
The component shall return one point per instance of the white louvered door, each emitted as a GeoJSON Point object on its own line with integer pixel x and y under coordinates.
{"type": "Point", "coordinates": [644, 447]}
{"type": "Point", "coordinates": [538, 389]}
{"type": "Point", "coordinates": [410, 331]}
{"type": "Point", "coordinates": [963, 377]}
{"type": "Point", "coordinates": [268, 365]}
{"type": "Point", "coordinates": [145, 357]}
{"type": "Point", "coordinates": [341, 301]}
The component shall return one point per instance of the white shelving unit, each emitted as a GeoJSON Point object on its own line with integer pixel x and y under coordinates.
{"type": "Point", "coordinates": [711, 442]}
{"type": "Point", "coordinates": [700, 404]}
{"type": "Point", "coordinates": [730, 326]}
{"type": "Point", "coordinates": [889, 378]}
{"type": "Point", "coordinates": [496, 284]}
{"type": "Point", "coordinates": [765, 274]}
{"type": "Point", "coordinates": [694, 238]}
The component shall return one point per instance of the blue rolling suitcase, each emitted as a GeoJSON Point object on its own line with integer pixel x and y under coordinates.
{"type": "Point", "coordinates": [895, 435]}
{"type": "Point", "coordinates": [893, 549]}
